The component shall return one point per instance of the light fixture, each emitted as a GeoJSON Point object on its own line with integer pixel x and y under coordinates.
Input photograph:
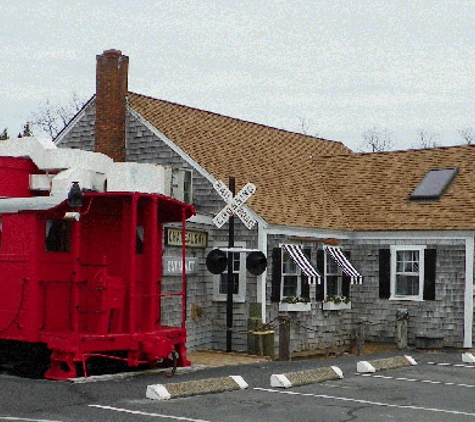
{"type": "Point", "coordinates": [75, 196]}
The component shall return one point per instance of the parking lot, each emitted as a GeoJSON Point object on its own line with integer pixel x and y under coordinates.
{"type": "Point", "coordinates": [439, 388]}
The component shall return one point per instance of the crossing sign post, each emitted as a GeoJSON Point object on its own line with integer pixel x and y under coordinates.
{"type": "Point", "coordinates": [234, 206]}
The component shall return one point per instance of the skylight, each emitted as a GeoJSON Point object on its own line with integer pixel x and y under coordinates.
{"type": "Point", "coordinates": [435, 183]}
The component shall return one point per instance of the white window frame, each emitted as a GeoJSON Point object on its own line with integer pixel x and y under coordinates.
{"type": "Point", "coordinates": [394, 250]}
{"type": "Point", "coordinates": [297, 273]}
{"type": "Point", "coordinates": [239, 297]}
{"type": "Point", "coordinates": [339, 274]}
{"type": "Point", "coordinates": [182, 185]}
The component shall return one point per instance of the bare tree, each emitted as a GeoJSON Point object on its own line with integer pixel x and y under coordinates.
{"type": "Point", "coordinates": [4, 135]}
{"type": "Point", "coordinates": [378, 139]}
{"type": "Point", "coordinates": [426, 139]}
{"type": "Point", "coordinates": [468, 135]}
{"type": "Point", "coordinates": [305, 127]}
{"type": "Point", "coordinates": [52, 118]}
{"type": "Point", "coordinates": [26, 130]}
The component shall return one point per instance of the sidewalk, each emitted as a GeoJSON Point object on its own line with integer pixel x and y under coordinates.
{"type": "Point", "coordinates": [216, 358]}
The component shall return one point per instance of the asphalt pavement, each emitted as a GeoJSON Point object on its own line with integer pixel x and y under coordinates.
{"type": "Point", "coordinates": [440, 387]}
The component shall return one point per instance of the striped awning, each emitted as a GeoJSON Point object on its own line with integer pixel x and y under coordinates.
{"type": "Point", "coordinates": [342, 261]}
{"type": "Point", "coordinates": [295, 252]}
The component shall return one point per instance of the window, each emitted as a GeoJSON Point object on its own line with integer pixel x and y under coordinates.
{"type": "Point", "coordinates": [223, 279]}
{"type": "Point", "coordinates": [434, 183]}
{"type": "Point", "coordinates": [290, 277]}
{"type": "Point", "coordinates": [182, 185]}
{"type": "Point", "coordinates": [407, 273]}
{"type": "Point", "coordinates": [287, 277]}
{"type": "Point", "coordinates": [333, 278]}
{"type": "Point", "coordinates": [220, 289]}
{"type": "Point", "coordinates": [58, 236]}
{"type": "Point", "coordinates": [335, 282]}
{"type": "Point", "coordinates": [139, 240]}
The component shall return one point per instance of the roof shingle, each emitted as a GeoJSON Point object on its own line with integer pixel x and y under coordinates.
{"type": "Point", "coordinates": [310, 182]}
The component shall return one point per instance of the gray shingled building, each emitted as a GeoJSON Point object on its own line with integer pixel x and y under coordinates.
{"type": "Point", "coordinates": [360, 236]}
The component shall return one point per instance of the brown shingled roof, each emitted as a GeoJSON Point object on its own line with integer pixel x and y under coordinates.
{"type": "Point", "coordinates": [278, 162]}
{"type": "Point", "coordinates": [310, 182]}
{"type": "Point", "coordinates": [373, 190]}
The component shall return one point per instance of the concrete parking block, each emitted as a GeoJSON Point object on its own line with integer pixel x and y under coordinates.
{"type": "Point", "coordinates": [293, 379]}
{"type": "Point", "coordinates": [468, 358]}
{"type": "Point", "coordinates": [383, 364]}
{"type": "Point", "coordinates": [192, 388]}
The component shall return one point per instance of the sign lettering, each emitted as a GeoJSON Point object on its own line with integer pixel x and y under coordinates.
{"type": "Point", "coordinates": [173, 266]}
{"type": "Point", "coordinates": [193, 239]}
{"type": "Point", "coordinates": [234, 205]}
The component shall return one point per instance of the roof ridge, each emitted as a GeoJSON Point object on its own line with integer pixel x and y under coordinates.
{"type": "Point", "coordinates": [412, 150]}
{"type": "Point", "coordinates": [240, 120]}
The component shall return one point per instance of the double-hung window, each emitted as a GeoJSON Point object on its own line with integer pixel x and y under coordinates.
{"type": "Point", "coordinates": [238, 277]}
{"type": "Point", "coordinates": [333, 278]}
{"type": "Point", "coordinates": [288, 280]}
{"type": "Point", "coordinates": [293, 282]}
{"type": "Point", "coordinates": [336, 283]}
{"type": "Point", "coordinates": [290, 277]}
{"type": "Point", "coordinates": [223, 279]}
{"type": "Point", "coordinates": [407, 272]}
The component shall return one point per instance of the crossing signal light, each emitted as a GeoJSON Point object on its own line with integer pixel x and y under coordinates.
{"type": "Point", "coordinates": [216, 261]}
{"type": "Point", "coordinates": [256, 263]}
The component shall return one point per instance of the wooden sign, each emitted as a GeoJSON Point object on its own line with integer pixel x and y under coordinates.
{"type": "Point", "coordinates": [173, 265]}
{"type": "Point", "coordinates": [193, 239]}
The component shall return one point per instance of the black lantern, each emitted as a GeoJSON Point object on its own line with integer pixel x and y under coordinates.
{"type": "Point", "coordinates": [75, 196]}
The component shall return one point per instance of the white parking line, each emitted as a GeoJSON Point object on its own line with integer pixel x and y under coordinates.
{"type": "Point", "coordinates": [138, 412]}
{"type": "Point", "coordinates": [417, 380]}
{"type": "Point", "coordinates": [369, 402]}
{"type": "Point", "coordinates": [14, 418]}
{"type": "Point", "coordinates": [456, 365]}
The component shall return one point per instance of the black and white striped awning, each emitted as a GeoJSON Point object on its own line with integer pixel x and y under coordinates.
{"type": "Point", "coordinates": [342, 261]}
{"type": "Point", "coordinates": [295, 252]}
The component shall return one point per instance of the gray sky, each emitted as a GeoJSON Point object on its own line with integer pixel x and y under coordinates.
{"type": "Point", "coordinates": [340, 67]}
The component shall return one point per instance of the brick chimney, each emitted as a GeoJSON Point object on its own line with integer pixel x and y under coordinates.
{"type": "Point", "coordinates": [111, 93]}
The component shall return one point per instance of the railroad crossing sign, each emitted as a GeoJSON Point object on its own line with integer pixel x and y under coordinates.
{"type": "Point", "coordinates": [234, 204]}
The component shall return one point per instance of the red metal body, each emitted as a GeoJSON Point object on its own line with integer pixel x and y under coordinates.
{"type": "Point", "coordinates": [93, 286]}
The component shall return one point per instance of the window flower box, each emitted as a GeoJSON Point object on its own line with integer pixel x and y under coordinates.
{"type": "Point", "coordinates": [332, 306]}
{"type": "Point", "coordinates": [295, 307]}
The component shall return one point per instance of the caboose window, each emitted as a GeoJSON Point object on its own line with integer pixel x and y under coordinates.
{"type": "Point", "coordinates": [139, 240]}
{"type": "Point", "coordinates": [58, 236]}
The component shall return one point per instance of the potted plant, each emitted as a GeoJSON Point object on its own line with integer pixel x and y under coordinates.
{"type": "Point", "coordinates": [295, 304]}
{"type": "Point", "coordinates": [336, 303]}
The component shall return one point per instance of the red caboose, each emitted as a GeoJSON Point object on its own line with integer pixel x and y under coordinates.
{"type": "Point", "coordinates": [83, 276]}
